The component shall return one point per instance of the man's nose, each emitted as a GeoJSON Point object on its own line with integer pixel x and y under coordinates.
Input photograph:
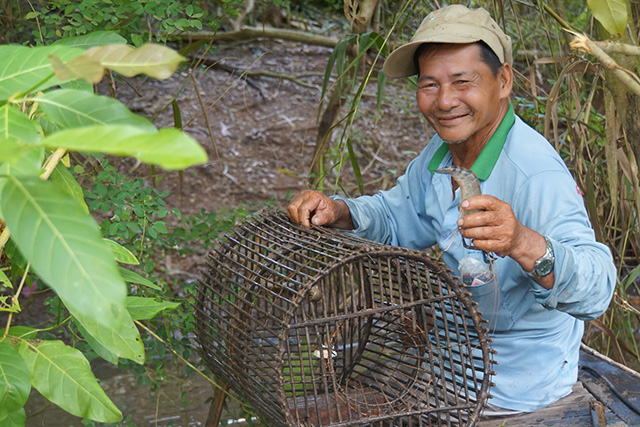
{"type": "Point", "coordinates": [447, 97]}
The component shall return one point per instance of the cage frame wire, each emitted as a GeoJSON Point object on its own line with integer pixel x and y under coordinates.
{"type": "Point", "coordinates": [279, 373]}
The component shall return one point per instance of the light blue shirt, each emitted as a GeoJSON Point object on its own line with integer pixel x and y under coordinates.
{"type": "Point", "coordinates": [536, 332]}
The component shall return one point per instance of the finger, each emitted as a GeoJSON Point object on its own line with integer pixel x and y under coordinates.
{"type": "Point", "coordinates": [301, 208]}
{"type": "Point", "coordinates": [482, 219]}
{"type": "Point", "coordinates": [482, 202]}
{"type": "Point", "coordinates": [305, 212]}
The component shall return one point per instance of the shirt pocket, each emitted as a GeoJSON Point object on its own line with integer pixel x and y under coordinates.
{"type": "Point", "coordinates": [501, 309]}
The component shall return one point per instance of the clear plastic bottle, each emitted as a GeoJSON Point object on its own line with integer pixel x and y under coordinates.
{"type": "Point", "coordinates": [474, 268]}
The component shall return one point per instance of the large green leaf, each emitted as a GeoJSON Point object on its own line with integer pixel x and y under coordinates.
{"type": "Point", "coordinates": [70, 108]}
{"type": "Point", "coordinates": [168, 148]}
{"type": "Point", "coordinates": [79, 68]}
{"type": "Point", "coordinates": [63, 375]}
{"type": "Point", "coordinates": [154, 60]}
{"type": "Point", "coordinates": [23, 332]}
{"type": "Point", "coordinates": [15, 124]}
{"type": "Point", "coordinates": [10, 150]}
{"type": "Point", "coordinates": [14, 379]}
{"type": "Point", "coordinates": [64, 245]}
{"type": "Point", "coordinates": [97, 38]}
{"type": "Point", "coordinates": [142, 308]}
{"type": "Point", "coordinates": [100, 350]}
{"type": "Point", "coordinates": [29, 162]}
{"type": "Point", "coordinates": [15, 419]}
{"type": "Point", "coordinates": [64, 179]}
{"type": "Point", "coordinates": [612, 14]}
{"type": "Point", "coordinates": [112, 343]}
{"type": "Point", "coordinates": [29, 68]}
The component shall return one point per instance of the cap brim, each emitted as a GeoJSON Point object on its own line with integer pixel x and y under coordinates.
{"type": "Point", "coordinates": [400, 62]}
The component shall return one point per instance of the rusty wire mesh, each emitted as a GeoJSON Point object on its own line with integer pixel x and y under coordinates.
{"type": "Point", "coordinates": [316, 327]}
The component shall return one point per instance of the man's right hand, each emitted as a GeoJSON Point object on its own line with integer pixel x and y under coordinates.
{"type": "Point", "coordinates": [312, 207]}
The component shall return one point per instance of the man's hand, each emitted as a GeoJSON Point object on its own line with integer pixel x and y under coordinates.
{"type": "Point", "coordinates": [312, 207]}
{"type": "Point", "coordinates": [496, 229]}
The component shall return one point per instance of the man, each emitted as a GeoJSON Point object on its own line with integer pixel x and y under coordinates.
{"type": "Point", "coordinates": [551, 274]}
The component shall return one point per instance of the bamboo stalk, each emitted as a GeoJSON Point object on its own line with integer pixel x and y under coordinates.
{"type": "Point", "coordinates": [610, 46]}
{"type": "Point", "coordinates": [629, 79]}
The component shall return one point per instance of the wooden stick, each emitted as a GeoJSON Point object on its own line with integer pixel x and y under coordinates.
{"type": "Point", "coordinates": [247, 33]}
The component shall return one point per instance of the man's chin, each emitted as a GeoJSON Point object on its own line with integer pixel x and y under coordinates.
{"type": "Point", "coordinates": [460, 141]}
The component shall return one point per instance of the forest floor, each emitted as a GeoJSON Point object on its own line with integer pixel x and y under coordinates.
{"type": "Point", "coordinates": [260, 131]}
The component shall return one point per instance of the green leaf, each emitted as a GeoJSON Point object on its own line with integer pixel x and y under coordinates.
{"type": "Point", "coordinates": [15, 419]}
{"type": "Point", "coordinates": [133, 277]}
{"type": "Point", "coordinates": [122, 254]}
{"type": "Point", "coordinates": [100, 350]}
{"type": "Point", "coordinates": [4, 280]}
{"type": "Point", "coordinates": [142, 308]}
{"type": "Point", "coordinates": [14, 378]}
{"type": "Point", "coordinates": [612, 14]}
{"type": "Point", "coordinates": [154, 60]}
{"type": "Point", "coordinates": [23, 332]}
{"type": "Point", "coordinates": [64, 179]}
{"type": "Point", "coordinates": [78, 68]}
{"type": "Point", "coordinates": [110, 342]}
{"type": "Point", "coordinates": [97, 38]}
{"type": "Point", "coordinates": [10, 150]}
{"type": "Point", "coordinates": [15, 124]}
{"type": "Point", "coordinates": [64, 245]}
{"type": "Point", "coordinates": [355, 166]}
{"type": "Point", "coordinates": [27, 164]}
{"type": "Point", "coordinates": [169, 148]}
{"type": "Point", "coordinates": [28, 69]}
{"type": "Point", "coordinates": [382, 80]}
{"type": "Point", "coordinates": [63, 375]}
{"type": "Point", "coordinates": [73, 108]}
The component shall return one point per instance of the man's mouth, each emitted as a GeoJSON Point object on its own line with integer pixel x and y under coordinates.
{"type": "Point", "coordinates": [445, 120]}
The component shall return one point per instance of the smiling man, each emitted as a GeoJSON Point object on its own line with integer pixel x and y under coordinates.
{"type": "Point", "coordinates": [551, 274]}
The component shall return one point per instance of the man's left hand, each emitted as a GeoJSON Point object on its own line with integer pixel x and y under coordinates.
{"type": "Point", "coordinates": [496, 229]}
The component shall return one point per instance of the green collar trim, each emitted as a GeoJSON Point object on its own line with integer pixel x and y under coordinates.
{"type": "Point", "coordinates": [487, 159]}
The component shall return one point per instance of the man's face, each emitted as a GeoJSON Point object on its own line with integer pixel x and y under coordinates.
{"type": "Point", "coordinates": [459, 95]}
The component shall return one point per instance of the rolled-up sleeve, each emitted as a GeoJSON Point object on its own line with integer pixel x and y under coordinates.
{"type": "Point", "coordinates": [397, 216]}
{"type": "Point", "coordinates": [584, 271]}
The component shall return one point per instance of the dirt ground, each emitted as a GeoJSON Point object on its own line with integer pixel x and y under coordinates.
{"type": "Point", "coordinates": [260, 132]}
{"type": "Point", "coordinates": [260, 145]}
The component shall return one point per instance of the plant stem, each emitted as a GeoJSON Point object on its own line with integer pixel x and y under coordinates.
{"type": "Point", "coordinates": [614, 47]}
{"type": "Point", "coordinates": [630, 80]}
{"type": "Point", "coordinates": [189, 364]}
{"type": "Point", "coordinates": [15, 299]}
{"type": "Point", "coordinates": [52, 162]}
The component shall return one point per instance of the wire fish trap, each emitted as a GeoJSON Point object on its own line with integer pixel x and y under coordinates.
{"type": "Point", "coordinates": [315, 327]}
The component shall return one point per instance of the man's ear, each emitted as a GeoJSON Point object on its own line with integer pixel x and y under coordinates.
{"type": "Point", "coordinates": [505, 78]}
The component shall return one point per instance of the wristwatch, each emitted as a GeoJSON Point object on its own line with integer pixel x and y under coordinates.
{"type": "Point", "coordinates": [544, 265]}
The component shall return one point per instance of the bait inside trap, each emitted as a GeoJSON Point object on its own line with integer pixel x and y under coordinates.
{"type": "Point", "coordinates": [316, 327]}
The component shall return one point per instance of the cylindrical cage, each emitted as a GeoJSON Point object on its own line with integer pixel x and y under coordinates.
{"type": "Point", "coordinates": [316, 327]}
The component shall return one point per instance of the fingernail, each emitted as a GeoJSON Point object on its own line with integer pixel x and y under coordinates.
{"type": "Point", "coordinates": [460, 222]}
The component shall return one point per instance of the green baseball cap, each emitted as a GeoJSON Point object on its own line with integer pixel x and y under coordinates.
{"type": "Point", "coordinates": [451, 24]}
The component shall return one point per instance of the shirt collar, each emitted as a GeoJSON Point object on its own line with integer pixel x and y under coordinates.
{"type": "Point", "coordinates": [488, 157]}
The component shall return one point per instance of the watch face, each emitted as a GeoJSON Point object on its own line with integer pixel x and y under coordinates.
{"type": "Point", "coordinates": [544, 267]}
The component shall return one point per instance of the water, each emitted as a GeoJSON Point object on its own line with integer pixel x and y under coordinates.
{"type": "Point", "coordinates": [163, 407]}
